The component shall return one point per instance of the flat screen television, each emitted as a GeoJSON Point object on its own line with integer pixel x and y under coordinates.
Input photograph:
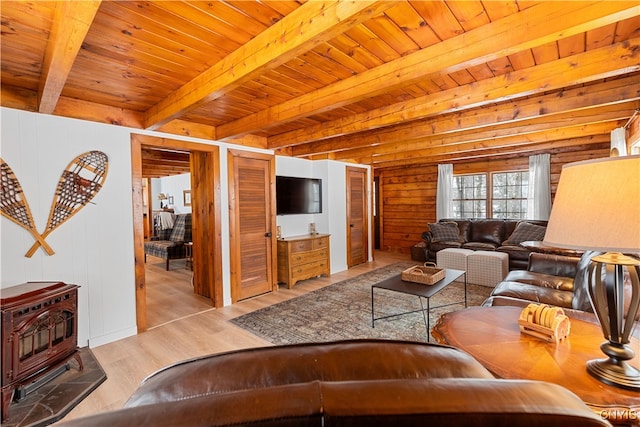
{"type": "Point", "coordinates": [298, 195]}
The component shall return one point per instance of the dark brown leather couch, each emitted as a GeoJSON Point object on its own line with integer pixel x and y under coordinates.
{"type": "Point", "coordinates": [479, 234]}
{"type": "Point", "coordinates": [346, 383]}
{"type": "Point", "coordinates": [550, 279]}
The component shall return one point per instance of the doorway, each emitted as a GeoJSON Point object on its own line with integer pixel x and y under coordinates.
{"type": "Point", "coordinates": [206, 228]}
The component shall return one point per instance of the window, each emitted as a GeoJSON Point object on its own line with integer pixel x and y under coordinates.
{"type": "Point", "coordinates": [507, 199]}
{"type": "Point", "coordinates": [469, 196]}
{"type": "Point", "coordinates": [510, 194]}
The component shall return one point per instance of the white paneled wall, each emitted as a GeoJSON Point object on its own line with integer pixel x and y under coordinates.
{"type": "Point", "coordinates": [94, 248]}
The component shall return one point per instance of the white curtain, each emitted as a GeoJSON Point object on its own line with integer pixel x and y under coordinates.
{"type": "Point", "coordinates": [539, 197]}
{"type": "Point", "coordinates": [443, 192]}
{"type": "Point", "coordinates": [618, 142]}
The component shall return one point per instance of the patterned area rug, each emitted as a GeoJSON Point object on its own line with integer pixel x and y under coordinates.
{"type": "Point", "coordinates": [343, 311]}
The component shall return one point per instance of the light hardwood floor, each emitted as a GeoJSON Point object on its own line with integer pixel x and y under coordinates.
{"type": "Point", "coordinates": [183, 325]}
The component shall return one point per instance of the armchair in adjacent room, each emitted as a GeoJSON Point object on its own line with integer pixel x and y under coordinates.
{"type": "Point", "coordinates": [173, 247]}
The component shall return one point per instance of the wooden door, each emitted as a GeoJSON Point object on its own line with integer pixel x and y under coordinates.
{"type": "Point", "coordinates": [205, 208]}
{"type": "Point", "coordinates": [252, 221]}
{"type": "Point", "coordinates": [357, 235]}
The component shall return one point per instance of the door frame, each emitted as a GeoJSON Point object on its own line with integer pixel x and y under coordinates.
{"type": "Point", "coordinates": [209, 267]}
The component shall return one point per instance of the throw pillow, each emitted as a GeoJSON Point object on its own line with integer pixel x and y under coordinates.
{"type": "Point", "coordinates": [525, 231]}
{"type": "Point", "coordinates": [444, 232]}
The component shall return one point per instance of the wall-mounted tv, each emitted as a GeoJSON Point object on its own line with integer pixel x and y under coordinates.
{"type": "Point", "coordinates": [298, 195]}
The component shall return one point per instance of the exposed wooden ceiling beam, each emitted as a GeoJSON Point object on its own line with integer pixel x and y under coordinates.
{"type": "Point", "coordinates": [158, 163]}
{"type": "Point", "coordinates": [71, 22]}
{"type": "Point", "coordinates": [587, 97]}
{"type": "Point", "coordinates": [306, 27]}
{"type": "Point", "coordinates": [426, 152]}
{"type": "Point", "coordinates": [517, 150]}
{"type": "Point", "coordinates": [545, 23]}
{"type": "Point", "coordinates": [596, 64]}
{"type": "Point", "coordinates": [495, 135]}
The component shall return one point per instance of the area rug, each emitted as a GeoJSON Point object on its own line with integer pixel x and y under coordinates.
{"type": "Point", "coordinates": [343, 311]}
{"type": "Point", "coordinates": [59, 396]}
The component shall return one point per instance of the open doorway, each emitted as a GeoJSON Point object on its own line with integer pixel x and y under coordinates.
{"type": "Point", "coordinates": [204, 197]}
{"type": "Point", "coordinates": [169, 282]}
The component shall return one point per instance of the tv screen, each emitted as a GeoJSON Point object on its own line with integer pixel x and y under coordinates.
{"type": "Point", "coordinates": [298, 195]}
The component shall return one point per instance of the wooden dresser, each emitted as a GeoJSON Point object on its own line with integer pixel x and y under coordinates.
{"type": "Point", "coordinates": [303, 257]}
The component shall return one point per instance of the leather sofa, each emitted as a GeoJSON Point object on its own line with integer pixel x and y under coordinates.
{"type": "Point", "coordinates": [345, 383]}
{"type": "Point", "coordinates": [502, 235]}
{"type": "Point", "coordinates": [549, 279]}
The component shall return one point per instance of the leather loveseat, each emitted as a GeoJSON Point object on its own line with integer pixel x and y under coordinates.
{"type": "Point", "coordinates": [502, 235]}
{"type": "Point", "coordinates": [346, 383]}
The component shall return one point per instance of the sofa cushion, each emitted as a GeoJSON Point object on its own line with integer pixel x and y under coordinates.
{"type": "Point", "coordinates": [487, 231]}
{"type": "Point", "coordinates": [301, 363]}
{"type": "Point", "coordinates": [555, 265]}
{"type": "Point", "coordinates": [464, 227]}
{"type": "Point", "coordinates": [480, 246]}
{"type": "Point", "coordinates": [438, 246]}
{"type": "Point", "coordinates": [445, 232]}
{"type": "Point", "coordinates": [525, 231]}
{"type": "Point", "coordinates": [533, 293]}
{"type": "Point", "coordinates": [542, 280]}
{"type": "Point", "coordinates": [515, 252]}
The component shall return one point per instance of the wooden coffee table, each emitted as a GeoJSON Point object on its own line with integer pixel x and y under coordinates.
{"type": "Point", "coordinates": [492, 336]}
{"type": "Point", "coordinates": [396, 284]}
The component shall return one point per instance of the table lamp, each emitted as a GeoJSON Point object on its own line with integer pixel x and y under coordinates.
{"type": "Point", "coordinates": [161, 197]}
{"type": "Point", "coordinates": [597, 207]}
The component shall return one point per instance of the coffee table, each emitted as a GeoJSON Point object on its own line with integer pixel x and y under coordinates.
{"type": "Point", "coordinates": [492, 336]}
{"type": "Point", "coordinates": [396, 284]}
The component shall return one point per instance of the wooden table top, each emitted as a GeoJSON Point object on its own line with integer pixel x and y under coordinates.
{"type": "Point", "coordinates": [492, 336]}
{"type": "Point", "coordinates": [538, 246]}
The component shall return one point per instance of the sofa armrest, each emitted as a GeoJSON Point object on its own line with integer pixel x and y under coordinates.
{"type": "Point", "coordinates": [555, 265]}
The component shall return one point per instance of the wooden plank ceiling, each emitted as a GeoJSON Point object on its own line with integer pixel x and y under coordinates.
{"type": "Point", "coordinates": [380, 83]}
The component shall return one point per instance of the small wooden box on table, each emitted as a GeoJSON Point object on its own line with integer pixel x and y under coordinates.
{"type": "Point", "coordinates": [303, 257]}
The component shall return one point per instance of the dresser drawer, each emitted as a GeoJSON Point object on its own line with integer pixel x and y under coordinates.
{"type": "Point", "coordinates": [301, 246]}
{"type": "Point", "coordinates": [306, 257]}
{"type": "Point", "coordinates": [321, 242]}
{"type": "Point", "coordinates": [307, 271]}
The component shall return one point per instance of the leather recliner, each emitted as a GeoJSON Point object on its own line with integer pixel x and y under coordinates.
{"type": "Point", "coordinates": [345, 383]}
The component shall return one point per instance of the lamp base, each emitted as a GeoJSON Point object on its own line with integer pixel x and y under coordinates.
{"type": "Point", "coordinates": [615, 373]}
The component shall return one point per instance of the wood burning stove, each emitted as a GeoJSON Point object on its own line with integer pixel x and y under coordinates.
{"type": "Point", "coordinates": [39, 336]}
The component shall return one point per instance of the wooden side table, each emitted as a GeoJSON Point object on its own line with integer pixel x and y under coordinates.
{"type": "Point", "coordinates": [492, 336]}
{"type": "Point", "coordinates": [188, 246]}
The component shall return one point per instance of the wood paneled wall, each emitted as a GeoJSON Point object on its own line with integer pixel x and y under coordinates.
{"type": "Point", "coordinates": [408, 195]}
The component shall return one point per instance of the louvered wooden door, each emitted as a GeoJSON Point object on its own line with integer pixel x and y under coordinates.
{"type": "Point", "coordinates": [252, 222]}
{"type": "Point", "coordinates": [357, 235]}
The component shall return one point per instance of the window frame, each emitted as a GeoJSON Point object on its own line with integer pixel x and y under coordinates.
{"type": "Point", "coordinates": [489, 179]}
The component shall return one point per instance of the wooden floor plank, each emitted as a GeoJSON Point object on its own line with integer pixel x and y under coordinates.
{"type": "Point", "coordinates": [184, 325]}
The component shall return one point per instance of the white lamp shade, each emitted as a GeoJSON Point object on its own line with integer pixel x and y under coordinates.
{"type": "Point", "coordinates": [597, 206]}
